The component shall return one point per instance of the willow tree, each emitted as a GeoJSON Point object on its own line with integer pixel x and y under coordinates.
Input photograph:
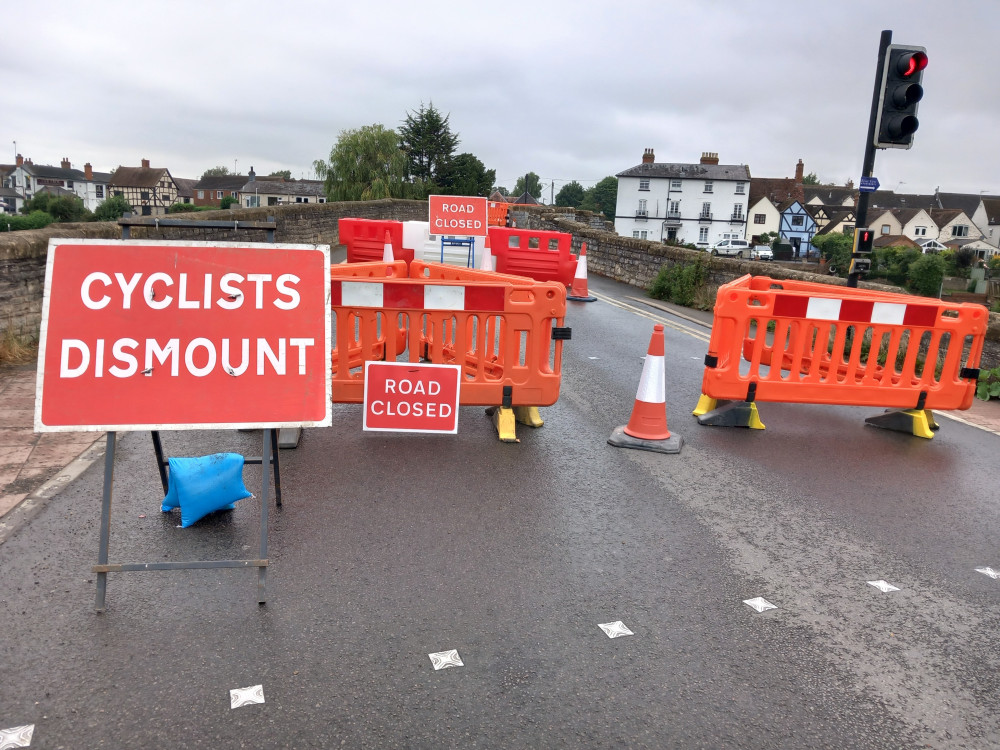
{"type": "Point", "coordinates": [365, 164]}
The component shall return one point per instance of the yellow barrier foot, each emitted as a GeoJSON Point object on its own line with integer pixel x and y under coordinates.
{"type": "Point", "coordinates": [528, 415]}
{"type": "Point", "coordinates": [733, 414]}
{"type": "Point", "coordinates": [621, 439]}
{"type": "Point", "coordinates": [917, 422]}
{"type": "Point", "coordinates": [705, 405]}
{"type": "Point", "coordinates": [505, 421]}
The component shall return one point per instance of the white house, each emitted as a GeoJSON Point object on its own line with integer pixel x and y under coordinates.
{"type": "Point", "coordinates": [699, 203]}
{"type": "Point", "coordinates": [30, 179]}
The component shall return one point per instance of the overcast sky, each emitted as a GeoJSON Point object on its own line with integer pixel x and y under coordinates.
{"type": "Point", "coordinates": [568, 90]}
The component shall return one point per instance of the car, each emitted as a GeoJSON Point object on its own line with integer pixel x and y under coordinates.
{"type": "Point", "coordinates": [761, 252]}
{"type": "Point", "coordinates": [739, 248]}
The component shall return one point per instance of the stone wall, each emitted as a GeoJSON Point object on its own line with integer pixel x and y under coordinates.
{"type": "Point", "coordinates": [23, 254]}
{"type": "Point", "coordinates": [635, 262]}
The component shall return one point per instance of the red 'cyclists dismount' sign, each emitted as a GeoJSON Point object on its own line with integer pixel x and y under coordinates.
{"type": "Point", "coordinates": [411, 397]}
{"type": "Point", "coordinates": [184, 335]}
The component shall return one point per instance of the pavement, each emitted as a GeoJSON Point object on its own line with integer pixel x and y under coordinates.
{"type": "Point", "coordinates": [37, 466]}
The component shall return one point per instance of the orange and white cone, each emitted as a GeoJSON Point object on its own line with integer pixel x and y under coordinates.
{"type": "Point", "coordinates": [647, 427]}
{"type": "Point", "coordinates": [578, 291]}
{"type": "Point", "coordinates": [387, 253]}
{"type": "Point", "coordinates": [486, 262]}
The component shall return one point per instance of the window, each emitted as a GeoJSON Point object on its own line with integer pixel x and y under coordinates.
{"type": "Point", "coordinates": [706, 210]}
{"type": "Point", "coordinates": [118, 192]}
{"type": "Point", "coordinates": [798, 221]}
{"type": "Point", "coordinates": [639, 235]}
{"type": "Point", "coordinates": [919, 231]}
{"type": "Point", "coordinates": [960, 230]}
{"type": "Point", "coordinates": [642, 208]}
{"type": "Point", "coordinates": [99, 191]}
{"type": "Point", "coordinates": [675, 184]}
{"type": "Point", "coordinates": [740, 188]}
{"type": "Point", "coordinates": [644, 183]}
{"type": "Point", "coordinates": [69, 184]}
{"type": "Point", "coordinates": [233, 193]}
{"type": "Point", "coordinates": [253, 201]}
{"type": "Point", "coordinates": [759, 219]}
{"type": "Point", "coordinates": [849, 229]}
{"type": "Point", "coordinates": [144, 195]}
{"type": "Point", "coordinates": [885, 229]}
{"type": "Point", "coordinates": [201, 193]}
{"type": "Point", "coordinates": [708, 186]}
{"type": "Point", "coordinates": [218, 195]}
{"type": "Point", "coordinates": [675, 208]}
{"type": "Point", "coordinates": [702, 234]}
{"type": "Point", "coordinates": [738, 211]}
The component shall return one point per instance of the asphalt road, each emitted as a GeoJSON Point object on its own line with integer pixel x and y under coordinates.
{"type": "Point", "coordinates": [390, 547]}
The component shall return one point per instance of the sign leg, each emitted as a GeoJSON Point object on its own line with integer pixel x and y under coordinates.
{"type": "Point", "coordinates": [102, 551]}
{"type": "Point", "coordinates": [265, 465]}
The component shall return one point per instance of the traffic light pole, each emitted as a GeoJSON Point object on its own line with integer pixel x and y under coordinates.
{"type": "Point", "coordinates": [861, 215]}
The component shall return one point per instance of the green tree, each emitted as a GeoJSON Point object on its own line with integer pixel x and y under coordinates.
{"type": "Point", "coordinates": [59, 207]}
{"type": "Point", "coordinates": [365, 164]}
{"type": "Point", "coordinates": [112, 208]}
{"type": "Point", "coordinates": [810, 179]}
{"type": "Point", "coordinates": [602, 198]}
{"type": "Point", "coordinates": [219, 171]}
{"type": "Point", "coordinates": [571, 194]}
{"type": "Point", "coordinates": [466, 175]}
{"type": "Point", "coordinates": [926, 275]}
{"type": "Point", "coordinates": [229, 200]}
{"type": "Point", "coordinates": [534, 186]}
{"type": "Point", "coordinates": [426, 138]}
{"type": "Point", "coordinates": [286, 173]}
{"type": "Point", "coordinates": [836, 249]}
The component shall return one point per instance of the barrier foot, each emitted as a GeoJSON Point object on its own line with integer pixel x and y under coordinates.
{"type": "Point", "coordinates": [733, 414]}
{"type": "Point", "coordinates": [621, 439]}
{"type": "Point", "coordinates": [505, 421]}
{"type": "Point", "coordinates": [917, 422]}
{"type": "Point", "coordinates": [570, 297]}
{"type": "Point", "coordinates": [528, 415]}
{"type": "Point", "coordinates": [705, 405]}
{"type": "Point", "coordinates": [288, 437]}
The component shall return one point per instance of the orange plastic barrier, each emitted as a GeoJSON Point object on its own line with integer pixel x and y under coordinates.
{"type": "Point", "coordinates": [497, 214]}
{"type": "Point", "coordinates": [543, 256]}
{"type": "Point", "coordinates": [365, 239]}
{"type": "Point", "coordinates": [506, 332]}
{"type": "Point", "coordinates": [805, 342]}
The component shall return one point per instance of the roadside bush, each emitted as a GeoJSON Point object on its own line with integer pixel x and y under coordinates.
{"type": "Point", "coordinates": [180, 208]}
{"type": "Point", "coordinates": [893, 263]}
{"type": "Point", "coordinates": [34, 220]}
{"type": "Point", "coordinates": [112, 208]}
{"type": "Point", "coordinates": [993, 264]}
{"type": "Point", "coordinates": [989, 384]}
{"type": "Point", "coordinates": [59, 207]}
{"type": "Point", "coordinates": [681, 283]}
{"type": "Point", "coordinates": [926, 274]}
{"type": "Point", "coordinates": [836, 250]}
{"type": "Point", "coordinates": [230, 200]}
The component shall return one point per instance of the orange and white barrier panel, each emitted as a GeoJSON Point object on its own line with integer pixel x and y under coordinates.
{"type": "Point", "coordinates": [505, 332]}
{"type": "Point", "coordinates": [804, 342]}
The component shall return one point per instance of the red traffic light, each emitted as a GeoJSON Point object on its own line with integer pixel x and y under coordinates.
{"type": "Point", "coordinates": [908, 65]}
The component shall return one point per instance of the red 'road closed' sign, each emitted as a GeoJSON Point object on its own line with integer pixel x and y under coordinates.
{"type": "Point", "coordinates": [458, 215]}
{"type": "Point", "coordinates": [183, 335]}
{"type": "Point", "coordinates": [411, 397]}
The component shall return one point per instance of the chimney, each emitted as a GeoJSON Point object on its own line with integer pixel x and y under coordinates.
{"type": "Point", "coordinates": [799, 169]}
{"type": "Point", "coordinates": [850, 184]}
{"type": "Point", "coordinates": [88, 172]}
{"type": "Point", "coordinates": [252, 175]}
{"type": "Point", "coordinates": [20, 160]}
{"type": "Point", "coordinates": [145, 163]}
{"type": "Point", "coordinates": [709, 157]}
{"type": "Point", "coordinates": [65, 163]}
{"type": "Point", "coordinates": [648, 157]}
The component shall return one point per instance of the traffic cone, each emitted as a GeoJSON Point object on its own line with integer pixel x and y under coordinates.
{"type": "Point", "coordinates": [387, 253]}
{"type": "Point", "coordinates": [647, 427]}
{"type": "Point", "coordinates": [486, 262]}
{"type": "Point", "coordinates": [578, 291]}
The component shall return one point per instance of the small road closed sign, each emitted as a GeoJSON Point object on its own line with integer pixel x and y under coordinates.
{"type": "Point", "coordinates": [458, 215]}
{"type": "Point", "coordinates": [411, 397]}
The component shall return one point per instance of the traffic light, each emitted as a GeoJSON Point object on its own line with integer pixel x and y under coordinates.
{"type": "Point", "coordinates": [900, 94]}
{"type": "Point", "coordinates": [861, 253]}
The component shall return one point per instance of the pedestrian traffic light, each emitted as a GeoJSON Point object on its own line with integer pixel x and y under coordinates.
{"type": "Point", "coordinates": [863, 237]}
{"type": "Point", "coordinates": [900, 94]}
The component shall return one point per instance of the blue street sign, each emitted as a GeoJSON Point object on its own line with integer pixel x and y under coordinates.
{"type": "Point", "coordinates": [868, 184]}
